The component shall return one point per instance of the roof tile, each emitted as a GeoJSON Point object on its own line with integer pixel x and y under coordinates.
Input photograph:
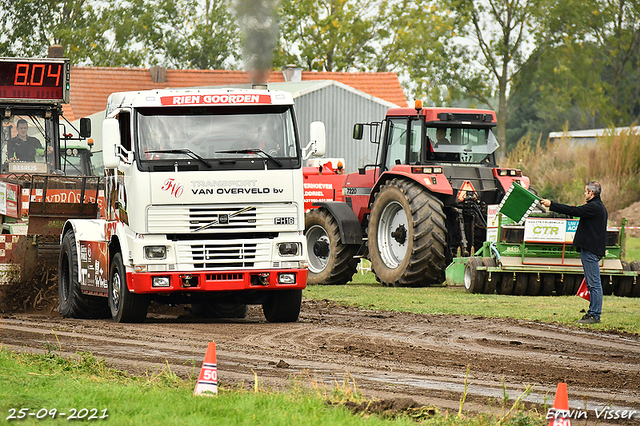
{"type": "Point", "coordinates": [91, 86]}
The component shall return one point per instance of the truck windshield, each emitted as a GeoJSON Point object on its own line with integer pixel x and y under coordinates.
{"type": "Point", "coordinates": [212, 135]}
{"type": "Point", "coordinates": [467, 145]}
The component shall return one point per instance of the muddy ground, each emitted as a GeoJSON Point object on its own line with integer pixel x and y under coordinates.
{"type": "Point", "coordinates": [385, 355]}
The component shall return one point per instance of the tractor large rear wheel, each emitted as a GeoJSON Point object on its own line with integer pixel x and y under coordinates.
{"type": "Point", "coordinates": [330, 261]}
{"type": "Point", "coordinates": [407, 235]}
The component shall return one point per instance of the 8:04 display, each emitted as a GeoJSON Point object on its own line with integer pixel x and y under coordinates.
{"type": "Point", "coordinates": [33, 80]}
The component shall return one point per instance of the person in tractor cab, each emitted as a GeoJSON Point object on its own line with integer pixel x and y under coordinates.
{"type": "Point", "coordinates": [441, 136]}
{"type": "Point", "coordinates": [24, 147]}
{"type": "Point", "coordinates": [590, 240]}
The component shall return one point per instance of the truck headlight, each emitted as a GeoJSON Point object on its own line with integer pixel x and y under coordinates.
{"type": "Point", "coordinates": [155, 252]}
{"type": "Point", "coordinates": [288, 249]}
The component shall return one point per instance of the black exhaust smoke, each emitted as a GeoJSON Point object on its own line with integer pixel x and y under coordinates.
{"type": "Point", "coordinates": [259, 22]}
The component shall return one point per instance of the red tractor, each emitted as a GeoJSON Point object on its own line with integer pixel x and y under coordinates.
{"type": "Point", "coordinates": [423, 203]}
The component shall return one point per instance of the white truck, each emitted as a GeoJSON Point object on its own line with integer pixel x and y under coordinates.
{"type": "Point", "coordinates": [203, 206]}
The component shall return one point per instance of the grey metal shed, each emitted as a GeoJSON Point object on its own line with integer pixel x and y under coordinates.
{"type": "Point", "coordinates": [339, 107]}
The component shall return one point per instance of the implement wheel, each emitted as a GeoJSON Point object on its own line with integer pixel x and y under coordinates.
{"type": "Point", "coordinates": [564, 285]}
{"type": "Point", "coordinates": [534, 284]}
{"type": "Point", "coordinates": [522, 282]}
{"type": "Point", "coordinates": [492, 279]}
{"type": "Point", "coordinates": [474, 279]}
{"type": "Point", "coordinates": [73, 303]}
{"type": "Point", "coordinates": [622, 285]}
{"type": "Point", "coordinates": [407, 235]}
{"type": "Point", "coordinates": [635, 288]}
{"type": "Point", "coordinates": [506, 284]}
{"type": "Point", "coordinates": [548, 282]}
{"type": "Point", "coordinates": [330, 261]}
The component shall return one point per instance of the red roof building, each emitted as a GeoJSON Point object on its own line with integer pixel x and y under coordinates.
{"type": "Point", "coordinates": [91, 86]}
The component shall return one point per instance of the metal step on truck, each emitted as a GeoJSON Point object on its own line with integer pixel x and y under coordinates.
{"type": "Point", "coordinates": [529, 252]}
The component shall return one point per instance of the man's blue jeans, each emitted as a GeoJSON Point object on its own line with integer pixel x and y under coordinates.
{"type": "Point", "coordinates": [590, 264]}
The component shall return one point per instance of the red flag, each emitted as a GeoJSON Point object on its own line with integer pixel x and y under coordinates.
{"type": "Point", "coordinates": [583, 291]}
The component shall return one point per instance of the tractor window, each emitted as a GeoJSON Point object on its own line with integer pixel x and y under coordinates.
{"type": "Point", "coordinates": [397, 148]}
{"type": "Point", "coordinates": [467, 145]}
{"type": "Point", "coordinates": [415, 142]}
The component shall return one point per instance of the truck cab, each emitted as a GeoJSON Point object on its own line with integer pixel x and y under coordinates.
{"type": "Point", "coordinates": [203, 206]}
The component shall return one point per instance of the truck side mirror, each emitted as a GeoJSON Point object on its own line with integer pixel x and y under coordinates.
{"type": "Point", "coordinates": [318, 136]}
{"type": "Point", "coordinates": [358, 131]}
{"type": "Point", "coordinates": [85, 127]}
{"type": "Point", "coordinates": [110, 143]}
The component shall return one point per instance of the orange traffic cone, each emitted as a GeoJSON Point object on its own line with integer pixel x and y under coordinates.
{"type": "Point", "coordinates": [208, 379]}
{"type": "Point", "coordinates": [561, 414]}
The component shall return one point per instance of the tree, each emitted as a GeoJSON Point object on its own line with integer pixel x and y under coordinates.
{"type": "Point", "coordinates": [494, 41]}
{"type": "Point", "coordinates": [585, 70]}
{"type": "Point", "coordinates": [326, 35]}
{"type": "Point", "coordinates": [184, 34]}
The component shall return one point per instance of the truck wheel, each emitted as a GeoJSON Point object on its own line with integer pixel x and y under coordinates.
{"type": "Point", "coordinates": [533, 286]}
{"type": "Point", "coordinates": [74, 304]}
{"type": "Point", "coordinates": [282, 305]}
{"type": "Point", "coordinates": [490, 284]}
{"type": "Point", "coordinates": [635, 288]}
{"type": "Point", "coordinates": [219, 310]}
{"type": "Point", "coordinates": [473, 278]}
{"type": "Point", "coordinates": [125, 306]}
{"type": "Point", "coordinates": [622, 286]}
{"type": "Point", "coordinates": [505, 286]}
{"type": "Point", "coordinates": [522, 282]}
{"type": "Point", "coordinates": [330, 261]}
{"type": "Point", "coordinates": [548, 284]}
{"type": "Point", "coordinates": [407, 235]}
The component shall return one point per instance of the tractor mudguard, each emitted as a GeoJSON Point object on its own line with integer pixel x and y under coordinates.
{"type": "Point", "coordinates": [348, 223]}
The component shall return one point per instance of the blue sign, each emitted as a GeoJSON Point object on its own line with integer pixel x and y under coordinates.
{"type": "Point", "coordinates": [572, 225]}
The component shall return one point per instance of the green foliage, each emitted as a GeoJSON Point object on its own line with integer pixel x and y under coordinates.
{"type": "Point", "coordinates": [184, 34]}
{"type": "Point", "coordinates": [584, 69]}
{"type": "Point", "coordinates": [560, 170]}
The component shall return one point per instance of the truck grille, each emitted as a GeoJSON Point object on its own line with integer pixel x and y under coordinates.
{"type": "Point", "coordinates": [219, 219]}
{"type": "Point", "coordinates": [223, 254]}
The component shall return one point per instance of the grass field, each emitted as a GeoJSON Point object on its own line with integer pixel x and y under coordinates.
{"type": "Point", "coordinates": [48, 385]}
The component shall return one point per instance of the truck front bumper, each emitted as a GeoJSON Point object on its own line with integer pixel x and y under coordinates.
{"type": "Point", "coordinates": [170, 282]}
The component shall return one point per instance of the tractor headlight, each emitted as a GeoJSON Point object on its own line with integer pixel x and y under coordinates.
{"type": "Point", "coordinates": [155, 252]}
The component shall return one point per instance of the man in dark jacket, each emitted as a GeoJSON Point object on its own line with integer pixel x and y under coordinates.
{"type": "Point", "coordinates": [590, 239]}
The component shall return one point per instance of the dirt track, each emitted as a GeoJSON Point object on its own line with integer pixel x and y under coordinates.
{"type": "Point", "coordinates": [389, 355]}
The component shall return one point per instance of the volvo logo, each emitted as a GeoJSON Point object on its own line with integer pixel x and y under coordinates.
{"type": "Point", "coordinates": [222, 219]}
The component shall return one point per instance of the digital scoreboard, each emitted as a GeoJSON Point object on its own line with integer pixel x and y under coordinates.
{"type": "Point", "coordinates": [34, 80]}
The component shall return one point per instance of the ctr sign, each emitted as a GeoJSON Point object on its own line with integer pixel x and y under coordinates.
{"type": "Point", "coordinates": [549, 230]}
